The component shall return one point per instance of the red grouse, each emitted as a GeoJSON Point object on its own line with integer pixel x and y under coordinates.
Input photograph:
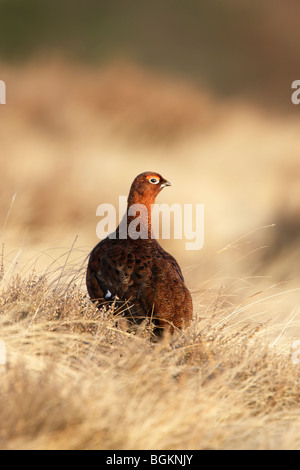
{"type": "Point", "coordinates": [135, 270]}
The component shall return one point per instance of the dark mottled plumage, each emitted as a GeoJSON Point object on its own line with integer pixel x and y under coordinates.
{"type": "Point", "coordinates": [139, 272]}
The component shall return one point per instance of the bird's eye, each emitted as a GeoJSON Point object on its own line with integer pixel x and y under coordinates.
{"type": "Point", "coordinates": [154, 180]}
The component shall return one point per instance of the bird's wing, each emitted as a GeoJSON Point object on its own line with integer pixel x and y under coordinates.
{"type": "Point", "coordinates": [171, 260]}
{"type": "Point", "coordinates": [92, 283]}
{"type": "Point", "coordinates": [110, 270]}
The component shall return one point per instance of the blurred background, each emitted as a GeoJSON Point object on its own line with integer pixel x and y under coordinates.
{"type": "Point", "coordinates": [99, 91]}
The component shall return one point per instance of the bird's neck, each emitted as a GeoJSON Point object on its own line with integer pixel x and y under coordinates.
{"type": "Point", "coordinates": [139, 215]}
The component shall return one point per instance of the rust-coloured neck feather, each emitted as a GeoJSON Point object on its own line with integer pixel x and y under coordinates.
{"type": "Point", "coordinates": [139, 207]}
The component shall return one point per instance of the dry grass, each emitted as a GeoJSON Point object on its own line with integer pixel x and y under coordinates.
{"type": "Point", "coordinates": [77, 378]}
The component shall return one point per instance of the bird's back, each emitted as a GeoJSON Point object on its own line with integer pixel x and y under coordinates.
{"type": "Point", "coordinates": [141, 273]}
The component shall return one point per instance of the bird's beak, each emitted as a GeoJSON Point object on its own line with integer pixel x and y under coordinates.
{"type": "Point", "coordinates": [165, 183]}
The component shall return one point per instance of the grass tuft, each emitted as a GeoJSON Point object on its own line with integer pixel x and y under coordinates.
{"type": "Point", "coordinates": [77, 378]}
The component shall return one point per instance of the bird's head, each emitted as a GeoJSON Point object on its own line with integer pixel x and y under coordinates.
{"type": "Point", "coordinates": [146, 187]}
